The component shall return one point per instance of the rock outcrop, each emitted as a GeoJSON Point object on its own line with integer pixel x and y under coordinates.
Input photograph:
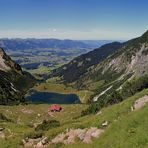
{"type": "Point", "coordinates": [69, 137]}
{"type": "Point", "coordinates": [13, 81]}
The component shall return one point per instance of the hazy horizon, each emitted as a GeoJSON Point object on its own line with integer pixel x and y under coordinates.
{"type": "Point", "coordinates": [73, 19]}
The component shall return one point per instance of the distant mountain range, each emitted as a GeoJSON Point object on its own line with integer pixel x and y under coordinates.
{"type": "Point", "coordinates": [23, 44]}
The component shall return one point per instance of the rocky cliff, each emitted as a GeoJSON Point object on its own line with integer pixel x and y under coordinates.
{"type": "Point", "coordinates": [13, 81]}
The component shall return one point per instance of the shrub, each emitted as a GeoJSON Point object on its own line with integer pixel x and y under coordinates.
{"type": "Point", "coordinates": [114, 97]}
{"type": "Point", "coordinates": [4, 118]}
{"type": "Point", "coordinates": [93, 108]}
{"type": "Point", "coordinates": [34, 135]}
{"type": "Point", "coordinates": [133, 86]}
{"type": "Point", "coordinates": [45, 125]}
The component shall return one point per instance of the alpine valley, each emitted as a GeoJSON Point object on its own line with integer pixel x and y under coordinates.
{"type": "Point", "coordinates": [108, 85]}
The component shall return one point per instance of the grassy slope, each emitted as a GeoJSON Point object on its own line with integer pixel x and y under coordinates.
{"type": "Point", "coordinates": [27, 114]}
{"type": "Point", "coordinates": [129, 131]}
{"type": "Point", "coordinates": [126, 129]}
{"type": "Point", "coordinates": [22, 121]}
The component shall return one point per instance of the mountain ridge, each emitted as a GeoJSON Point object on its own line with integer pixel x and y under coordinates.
{"type": "Point", "coordinates": [130, 60]}
{"type": "Point", "coordinates": [84, 61]}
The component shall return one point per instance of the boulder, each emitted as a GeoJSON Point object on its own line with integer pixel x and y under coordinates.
{"type": "Point", "coordinates": [39, 145]}
{"type": "Point", "coordinates": [44, 140]}
{"type": "Point", "coordinates": [105, 123]}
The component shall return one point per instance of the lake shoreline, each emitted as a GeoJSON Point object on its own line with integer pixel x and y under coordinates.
{"type": "Point", "coordinates": [41, 97]}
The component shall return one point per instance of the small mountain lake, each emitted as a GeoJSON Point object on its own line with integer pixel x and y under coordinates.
{"type": "Point", "coordinates": [51, 98]}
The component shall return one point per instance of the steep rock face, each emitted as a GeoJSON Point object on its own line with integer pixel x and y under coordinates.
{"type": "Point", "coordinates": [133, 58]}
{"type": "Point", "coordinates": [7, 64]}
{"type": "Point", "coordinates": [13, 81]}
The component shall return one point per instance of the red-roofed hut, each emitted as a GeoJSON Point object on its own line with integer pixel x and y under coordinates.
{"type": "Point", "coordinates": [55, 108]}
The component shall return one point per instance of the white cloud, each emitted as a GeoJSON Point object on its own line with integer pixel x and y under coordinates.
{"type": "Point", "coordinates": [68, 34]}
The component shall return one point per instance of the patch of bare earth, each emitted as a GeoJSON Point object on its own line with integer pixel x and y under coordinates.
{"type": "Point", "coordinates": [139, 103]}
{"type": "Point", "coordinates": [27, 111]}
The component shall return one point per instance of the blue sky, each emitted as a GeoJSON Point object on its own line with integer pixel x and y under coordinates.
{"type": "Point", "coordinates": [73, 19]}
